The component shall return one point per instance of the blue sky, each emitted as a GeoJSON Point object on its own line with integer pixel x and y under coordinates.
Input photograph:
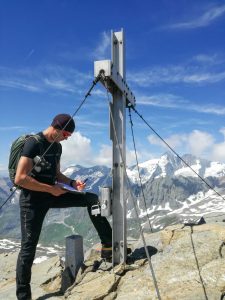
{"type": "Point", "coordinates": [175, 65]}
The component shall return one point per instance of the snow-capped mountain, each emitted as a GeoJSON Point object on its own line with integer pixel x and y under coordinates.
{"type": "Point", "coordinates": [4, 187]}
{"type": "Point", "coordinates": [97, 176]}
{"type": "Point", "coordinates": [170, 165]}
{"type": "Point", "coordinates": [173, 194]}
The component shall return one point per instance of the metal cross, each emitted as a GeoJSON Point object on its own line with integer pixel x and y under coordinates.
{"type": "Point", "coordinates": [114, 76]}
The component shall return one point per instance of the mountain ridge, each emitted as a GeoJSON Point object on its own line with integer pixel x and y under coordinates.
{"type": "Point", "coordinates": [170, 165]}
{"type": "Point", "coordinates": [171, 196]}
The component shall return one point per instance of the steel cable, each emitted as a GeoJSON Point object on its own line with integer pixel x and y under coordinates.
{"type": "Point", "coordinates": [209, 186]}
{"type": "Point", "coordinates": [132, 197]}
{"type": "Point", "coordinates": [46, 151]}
{"type": "Point", "coordinates": [138, 169]}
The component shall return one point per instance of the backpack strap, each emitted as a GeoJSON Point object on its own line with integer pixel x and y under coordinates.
{"type": "Point", "coordinates": [39, 139]}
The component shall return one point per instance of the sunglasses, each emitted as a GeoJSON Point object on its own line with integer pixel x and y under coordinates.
{"type": "Point", "coordinates": [66, 134]}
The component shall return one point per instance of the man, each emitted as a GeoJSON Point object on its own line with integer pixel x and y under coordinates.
{"type": "Point", "coordinates": [40, 191]}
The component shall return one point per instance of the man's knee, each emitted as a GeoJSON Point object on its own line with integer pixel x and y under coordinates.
{"type": "Point", "coordinates": [92, 199]}
{"type": "Point", "coordinates": [28, 249]}
{"type": "Point", "coordinates": [26, 257]}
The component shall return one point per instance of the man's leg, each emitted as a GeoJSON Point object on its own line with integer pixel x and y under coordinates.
{"type": "Point", "coordinates": [100, 223]}
{"type": "Point", "coordinates": [31, 223]}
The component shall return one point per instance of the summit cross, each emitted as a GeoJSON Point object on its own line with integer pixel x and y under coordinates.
{"type": "Point", "coordinates": [114, 79]}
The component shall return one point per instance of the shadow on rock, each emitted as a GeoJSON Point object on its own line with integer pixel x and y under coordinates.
{"type": "Point", "coordinates": [196, 222]}
{"type": "Point", "coordinates": [47, 296]}
{"type": "Point", "coordinates": [140, 253]}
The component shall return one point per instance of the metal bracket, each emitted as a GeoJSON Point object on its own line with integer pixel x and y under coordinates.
{"type": "Point", "coordinates": [105, 199]}
{"type": "Point", "coordinates": [95, 210]}
{"type": "Point", "coordinates": [113, 78]}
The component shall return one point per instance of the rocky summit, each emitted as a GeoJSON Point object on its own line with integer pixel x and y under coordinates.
{"type": "Point", "coordinates": [187, 262]}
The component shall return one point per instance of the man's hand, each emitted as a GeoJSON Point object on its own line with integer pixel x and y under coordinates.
{"type": "Point", "coordinates": [79, 185]}
{"type": "Point", "coordinates": [56, 190]}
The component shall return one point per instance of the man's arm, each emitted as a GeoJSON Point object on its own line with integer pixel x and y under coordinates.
{"type": "Point", "coordinates": [23, 180]}
{"type": "Point", "coordinates": [77, 184]}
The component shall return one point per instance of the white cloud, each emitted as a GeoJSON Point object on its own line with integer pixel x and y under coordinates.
{"type": "Point", "coordinates": [142, 155]}
{"type": "Point", "coordinates": [175, 74]}
{"type": "Point", "coordinates": [30, 54]}
{"type": "Point", "coordinates": [174, 140]}
{"type": "Point", "coordinates": [174, 101]}
{"type": "Point", "coordinates": [197, 142]}
{"type": "Point", "coordinates": [20, 84]}
{"type": "Point", "coordinates": [45, 78]}
{"type": "Point", "coordinates": [222, 130]}
{"type": "Point", "coordinates": [9, 128]}
{"type": "Point", "coordinates": [131, 158]}
{"type": "Point", "coordinates": [218, 152]}
{"type": "Point", "coordinates": [91, 124]}
{"type": "Point", "coordinates": [162, 100]}
{"type": "Point", "coordinates": [99, 93]}
{"type": "Point", "coordinates": [4, 170]}
{"type": "Point", "coordinates": [200, 69]}
{"type": "Point", "coordinates": [59, 84]}
{"type": "Point", "coordinates": [102, 49]}
{"type": "Point", "coordinates": [104, 157]}
{"type": "Point", "coordinates": [201, 21]}
{"type": "Point", "coordinates": [206, 59]}
{"type": "Point", "coordinates": [76, 150]}
{"type": "Point", "coordinates": [211, 109]}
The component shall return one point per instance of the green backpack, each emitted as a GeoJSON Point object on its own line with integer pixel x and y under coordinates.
{"type": "Point", "coordinates": [15, 153]}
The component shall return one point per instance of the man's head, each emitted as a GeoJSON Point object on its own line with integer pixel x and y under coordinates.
{"type": "Point", "coordinates": [64, 124]}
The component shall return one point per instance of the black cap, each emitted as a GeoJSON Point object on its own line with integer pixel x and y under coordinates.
{"type": "Point", "coordinates": [65, 122]}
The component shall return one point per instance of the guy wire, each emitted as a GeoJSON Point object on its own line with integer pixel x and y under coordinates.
{"type": "Point", "coordinates": [76, 111]}
{"type": "Point", "coordinates": [135, 208]}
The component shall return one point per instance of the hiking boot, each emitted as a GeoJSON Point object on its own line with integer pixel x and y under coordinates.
{"type": "Point", "coordinates": [106, 251]}
{"type": "Point", "coordinates": [129, 250]}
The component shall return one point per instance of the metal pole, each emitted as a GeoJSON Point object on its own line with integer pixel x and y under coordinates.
{"type": "Point", "coordinates": [74, 253]}
{"type": "Point", "coordinates": [114, 78]}
{"type": "Point", "coordinates": [74, 258]}
{"type": "Point", "coordinates": [119, 183]}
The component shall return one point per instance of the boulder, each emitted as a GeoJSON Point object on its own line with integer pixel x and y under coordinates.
{"type": "Point", "coordinates": [187, 262]}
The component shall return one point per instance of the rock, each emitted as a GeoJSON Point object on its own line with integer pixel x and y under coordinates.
{"type": "Point", "coordinates": [8, 275]}
{"type": "Point", "coordinates": [136, 285]}
{"type": "Point", "coordinates": [186, 256]}
{"type": "Point", "coordinates": [188, 262]}
{"type": "Point", "coordinates": [46, 277]}
{"type": "Point", "coordinates": [95, 286]}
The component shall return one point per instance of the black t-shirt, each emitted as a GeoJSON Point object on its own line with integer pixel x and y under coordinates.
{"type": "Point", "coordinates": [34, 147]}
